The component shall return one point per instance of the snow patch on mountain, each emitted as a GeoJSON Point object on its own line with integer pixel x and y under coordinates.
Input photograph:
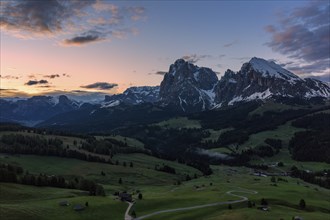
{"type": "Point", "coordinates": [271, 69]}
{"type": "Point", "coordinates": [259, 95]}
{"type": "Point", "coordinates": [110, 104]}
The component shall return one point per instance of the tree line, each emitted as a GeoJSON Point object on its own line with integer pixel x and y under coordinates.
{"type": "Point", "coordinates": [313, 144]}
{"type": "Point", "coordinates": [15, 174]}
{"type": "Point", "coordinates": [39, 145]}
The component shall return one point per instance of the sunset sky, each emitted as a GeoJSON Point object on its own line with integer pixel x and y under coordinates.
{"type": "Point", "coordinates": [96, 47]}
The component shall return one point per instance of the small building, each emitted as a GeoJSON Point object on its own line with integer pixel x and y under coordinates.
{"type": "Point", "coordinates": [263, 207]}
{"type": "Point", "coordinates": [78, 207]}
{"type": "Point", "coordinates": [64, 203]}
{"type": "Point", "coordinates": [125, 197]}
{"type": "Point", "coordinates": [298, 218]}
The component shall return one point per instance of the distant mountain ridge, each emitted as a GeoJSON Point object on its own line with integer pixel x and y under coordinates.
{"type": "Point", "coordinates": [135, 95]}
{"type": "Point", "coordinates": [185, 88]}
{"type": "Point", "coordinates": [261, 79]}
{"type": "Point", "coordinates": [35, 109]}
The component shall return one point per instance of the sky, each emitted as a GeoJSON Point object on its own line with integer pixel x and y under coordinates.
{"type": "Point", "coordinates": [93, 47]}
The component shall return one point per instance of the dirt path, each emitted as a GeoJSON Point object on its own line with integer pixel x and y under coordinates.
{"type": "Point", "coordinates": [242, 199]}
{"type": "Point", "coordinates": [127, 216]}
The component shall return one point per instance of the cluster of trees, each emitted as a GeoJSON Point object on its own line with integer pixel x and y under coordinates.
{"type": "Point", "coordinates": [39, 145]}
{"type": "Point", "coordinates": [321, 178]}
{"type": "Point", "coordinates": [109, 146]}
{"type": "Point", "coordinates": [15, 174]}
{"type": "Point", "coordinates": [165, 168]}
{"type": "Point", "coordinates": [172, 144]}
{"type": "Point", "coordinates": [313, 144]}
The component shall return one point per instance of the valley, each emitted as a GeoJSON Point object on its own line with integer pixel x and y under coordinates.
{"type": "Point", "coordinates": [166, 190]}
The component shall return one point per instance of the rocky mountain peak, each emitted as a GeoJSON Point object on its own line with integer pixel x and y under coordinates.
{"type": "Point", "coordinates": [63, 99]}
{"type": "Point", "coordinates": [187, 86]}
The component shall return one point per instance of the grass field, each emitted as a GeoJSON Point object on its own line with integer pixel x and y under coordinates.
{"type": "Point", "coordinates": [31, 203]}
{"type": "Point", "coordinates": [283, 198]}
{"type": "Point", "coordinates": [142, 172]}
{"type": "Point", "coordinates": [284, 132]}
{"type": "Point", "coordinates": [158, 188]}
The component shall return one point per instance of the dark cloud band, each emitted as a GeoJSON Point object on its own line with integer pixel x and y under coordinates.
{"type": "Point", "coordinates": [36, 82]}
{"type": "Point", "coordinates": [100, 86]}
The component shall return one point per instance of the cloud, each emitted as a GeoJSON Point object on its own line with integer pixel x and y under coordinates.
{"type": "Point", "coordinates": [194, 58]}
{"type": "Point", "coordinates": [137, 13]}
{"type": "Point", "coordinates": [230, 44]}
{"type": "Point", "coordinates": [100, 86]}
{"type": "Point", "coordinates": [103, 6]}
{"type": "Point", "coordinates": [304, 36]}
{"type": "Point", "coordinates": [72, 22]}
{"type": "Point", "coordinates": [40, 17]}
{"type": "Point", "coordinates": [12, 93]}
{"type": "Point", "coordinates": [162, 73]}
{"type": "Point", "coordinates": [52, 76]}
{"type": "Point", "coordinates": [46, 86]}
{"type": "Point", "coordinates": [84, 39]}
{"type": "Point", "coordinates": [36, 82]}
{"type": "Point", "coordinates": [9, 77]}
{"type": "Point", "coordinates": [324, 77]}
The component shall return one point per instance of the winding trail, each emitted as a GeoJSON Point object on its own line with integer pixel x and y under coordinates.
{"type": "Point", "coordinates": [127, 216]}
{"type": "Point", "coordinates": [242, 199]}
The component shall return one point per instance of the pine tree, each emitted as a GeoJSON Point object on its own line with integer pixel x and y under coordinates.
{"type": "Point", "coordinates": [302, 204]}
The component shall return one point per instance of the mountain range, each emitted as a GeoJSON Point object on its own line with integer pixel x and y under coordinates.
{"type": "Point", "coordinates": [186, 88]}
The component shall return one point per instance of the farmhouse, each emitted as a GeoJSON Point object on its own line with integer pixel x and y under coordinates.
{"type": "Point", "coordinates": [125, 197]}
{"type": "Point", "coordinates": [263, 207]}
{"type": "Point", "coordinates": [78, 207]}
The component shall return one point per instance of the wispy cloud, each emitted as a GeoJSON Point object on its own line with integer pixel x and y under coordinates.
{"type": "Point", "coordinates": [9, 77]}
{"type": "Point", "coordinates": [12, 93]}
{"type": "Point", "coordinates": [36, 82]}
{"type": "Point", "coordinates": [304, 36]}
{"type": "Point", "coordinates": [52, 76]}
{"type": "Point", "coordinates": [194, 58]}
{"type": "Point", "coordinates": [162, 73]}
{"type": "Point", "coordinates": [230, 44]}
{"type": "Point", "coordinates": [100, 86]}
{"type": "Point", "coordinates": [85, 21]}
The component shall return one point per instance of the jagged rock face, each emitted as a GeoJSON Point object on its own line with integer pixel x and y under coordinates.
{"type": "Point", "coordinates": [261, 79]}
{"type": "Point", "coordinates": [135, 95]}
{"type": "Point", "coordinates": [188, 87]}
